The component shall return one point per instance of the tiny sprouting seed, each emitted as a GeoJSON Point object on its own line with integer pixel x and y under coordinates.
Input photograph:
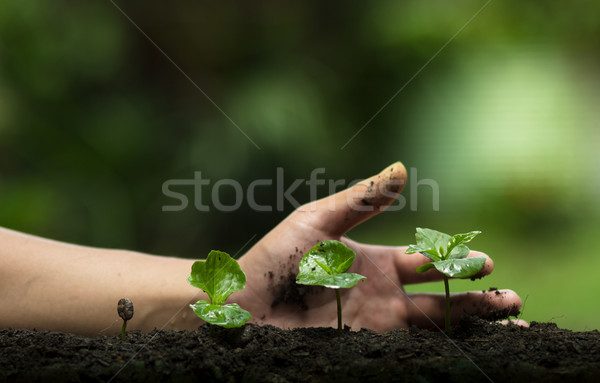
{"type": "Point", "coordinates": [449, 257]}
{"type": "Point", "coordinates": [125, 311]}
{"type": "Point", "coordinates": [219, 276]}
{"type": "Point", "coordinates": [325, 265]}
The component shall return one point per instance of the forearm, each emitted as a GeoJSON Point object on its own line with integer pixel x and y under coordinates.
{"type": "Point", "coordinates": [52, 285]}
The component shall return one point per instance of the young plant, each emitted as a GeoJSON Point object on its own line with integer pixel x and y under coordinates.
{"type": "Point", "coordinates": [449, 257]}
{"type": "Point", "coordinates": [125, 311]}
{"type": "Point", "coordinates": [219, 276]}
{"type": "Point", "coordinates": [325, 265]}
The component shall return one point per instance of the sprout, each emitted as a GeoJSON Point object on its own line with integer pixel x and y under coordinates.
{"type": "Point", "coordinates": [219, 276]}
{"type": "Point", "coordinates": [449, 256]}
{"type": "Point", "coordinates": [125, 310]}
{"type": "Point", "coordinates": [325, 265]}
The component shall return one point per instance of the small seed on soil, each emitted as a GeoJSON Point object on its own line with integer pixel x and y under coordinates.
{"type": "Point", "coordinates": [125, 309]}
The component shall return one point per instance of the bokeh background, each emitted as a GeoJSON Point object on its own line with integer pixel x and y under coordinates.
{"type": "Point", "coordinates": [505, 119]}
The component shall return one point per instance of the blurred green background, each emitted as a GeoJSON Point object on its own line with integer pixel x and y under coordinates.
{"type": "Point", "coordinates": [505, 120]}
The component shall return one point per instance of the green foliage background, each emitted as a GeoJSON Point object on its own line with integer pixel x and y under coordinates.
{"type": "Point", "coordinates": [94, 118]}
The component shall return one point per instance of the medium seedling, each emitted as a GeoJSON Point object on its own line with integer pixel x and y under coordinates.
{"type": "Point", "coordinates": [125, 311]}
{"type": "Point", "coordinates": [219, 276]}
{"type": "Point", "coordinates": [449, 256]}
{"type": "Point", "coordinates": [325, 265]}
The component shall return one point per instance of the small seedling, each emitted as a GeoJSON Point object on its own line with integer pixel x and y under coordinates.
{"type": "Point", "coordinates": [125, 310]}
{"type": "Point", "coordinates": [219, 276]}
{"type": "Point", "coordinates": [449, 256]}
{"type": "Point", "coordinates": [325, 265]}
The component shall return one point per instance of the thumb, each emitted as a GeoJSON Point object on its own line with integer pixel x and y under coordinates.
{"type": "Point", "coordinates": [340, 212]}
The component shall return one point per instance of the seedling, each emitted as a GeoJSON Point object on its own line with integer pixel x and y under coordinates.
{"type": "Point", "coordinates": [325, 265]}
{"type": "Point", "coordinates": [219, 276]}
{"type": "Point", "coordinates": [125, 310]}
{"type": "Point", "coordinates": [449, 256]}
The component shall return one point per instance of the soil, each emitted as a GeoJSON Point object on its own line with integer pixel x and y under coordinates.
{"type": "Point", "coordinates": [477, 351]}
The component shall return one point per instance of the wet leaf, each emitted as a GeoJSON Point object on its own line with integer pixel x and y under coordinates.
{"type": "Point", "coordinates": [460, 268]}
{"type": "Point", "coordinates": [219, 276]}
{"type": "Point", "coordinates": [228, 316]}
{"type": "Point", "coordinates": [325, 265]}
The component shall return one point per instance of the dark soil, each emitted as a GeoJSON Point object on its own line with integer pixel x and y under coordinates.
{"type": "Point", "coordinates": [476, 352]}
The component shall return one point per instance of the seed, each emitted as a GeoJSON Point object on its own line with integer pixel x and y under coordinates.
{"type": "Point", "coordinates": [125, 309]}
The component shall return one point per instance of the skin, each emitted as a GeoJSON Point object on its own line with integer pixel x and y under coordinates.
{"type": "Point", "coordinates": [57, 286]}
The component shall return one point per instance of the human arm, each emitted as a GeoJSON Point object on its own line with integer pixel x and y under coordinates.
{"type": "Point", "coordinates": [53, 285]}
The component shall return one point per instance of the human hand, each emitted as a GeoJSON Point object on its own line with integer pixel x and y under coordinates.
{"type": "Point", "coordinates": [379, 303]}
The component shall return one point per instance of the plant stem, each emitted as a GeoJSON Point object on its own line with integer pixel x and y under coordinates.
{"type": "Point", "coordinates": [447, 287]}
{"type": "Point", "coordinates": [339, 309]}
{"type": "Point", "coordinates": [123, 330]}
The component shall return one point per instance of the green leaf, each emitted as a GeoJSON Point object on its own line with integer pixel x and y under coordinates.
{"type": "Point", "coordinates": [459, 252]}
{"type": "Point", "coordinates": [425, 267]}
{"type": "Point", "coordinates": [325, 265]}
{"type": "Point", "coordinates": [432, 239]}
{"type": "Point", "coordinates": [429, 253]}
{"type": "Point", "coordinates": [219, 276]}
{"type": "Point", "coordinates": [228, 316]}
{"type": "Point", "coordinates": [459, 239]}
{"type": "Point", "coordinates": [430, 243]}
{"type": "Point", "coordinates": [439, 246]}
{"type": "Point", "coordinates": [460, 268]}
{"type": "Point", "coordinates": [335, 281]}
